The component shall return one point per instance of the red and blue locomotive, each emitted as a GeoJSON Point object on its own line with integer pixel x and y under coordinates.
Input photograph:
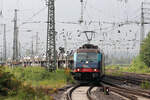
{"type": "Point", "coordinates": [88, 63]}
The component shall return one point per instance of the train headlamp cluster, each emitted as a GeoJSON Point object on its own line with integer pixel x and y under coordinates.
{"type": "Point", "coordinates": [78, 69]}
{"type": "Point", "coordinates": [95, 70]}
{"type": "Point", "coordinates": [87, 70]}
{"type": "Point", "coordinates": [86, 62]}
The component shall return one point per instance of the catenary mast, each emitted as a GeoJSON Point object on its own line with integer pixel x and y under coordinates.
{"type": "Point", "coordinates": [4, 45]}
{"type": "Point", "coordinates": [15, 40]}
{"type": "Point", "coordinates": [51, 44]}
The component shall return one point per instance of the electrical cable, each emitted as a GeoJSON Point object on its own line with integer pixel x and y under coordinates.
{"type": "Point", "coordinates": [37, 13]}
{"type": "Point", "coordinates": [30, 18]}
{"type": "Point", "coordinates": [85, 4]}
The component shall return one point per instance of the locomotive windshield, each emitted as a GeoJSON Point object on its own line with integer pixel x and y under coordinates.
{"type": "Point", "coordinates": [90, 56]}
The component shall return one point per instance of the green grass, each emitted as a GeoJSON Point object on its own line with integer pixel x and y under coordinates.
{"type": "Point", "coordinates": [38, 76]}
{"type": "Point", "coordinates": [137, 66]}
{"type": "Point", "coordinates": [12, 88]}
{"type": "Point", "coordinates": [35, 83]}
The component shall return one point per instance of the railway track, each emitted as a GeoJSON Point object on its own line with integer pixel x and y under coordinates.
{"type": "Point", "coordinates": [78, 92]}
{"type": "Point", "coordinates": [90, 97]}
{"type": "Point", "coordinates": [132, 78]}
{"type": "Point", "coordinates": [69, 94]}
{"type": "Point", "coordinates": [132, 94]}
{"type": "Point", "coordinates": [117, 89]}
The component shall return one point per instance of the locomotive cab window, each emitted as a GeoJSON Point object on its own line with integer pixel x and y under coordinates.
{"type": "Point", "coordinates": [84, 57]}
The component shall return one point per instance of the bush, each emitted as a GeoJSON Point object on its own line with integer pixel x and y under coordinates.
{"type": "Point", "coordinates": [145, 51]}
{"type": "Point", "coordinates": [12, 89]}
{"type": "Point", "coordinates": [8, 83]}
{"type": "Point", "coordinates": [138, 66]}
{"type": "Point", "coordinates": [30, 73]}
{"type": "Point", "coordinates": [42, 83]}
{"type": "Point", "coordinates": [38, 76]}
{"type": "Point", "coordinates": [145, 85]}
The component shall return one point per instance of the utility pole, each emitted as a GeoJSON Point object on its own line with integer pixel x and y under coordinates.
{"type": "Point", "coordinates": [82, 7]}
{"type": "Point", "coordinates": [65, 44]}
{"type": "Point", "coordinates": [1, 53]}
{"type": "Point", "coordinates": [51, 43]}
{"type": "Point", "coordinates": [4, 45]}
{"type": "Point", "coordinates": [65, 41]}
{"type": "Point", "coordinates": [142, 25]}
{"type": "Point", "coordinates": [37, 42]}
{"type": "Point", "coordinates": [19, 52]}
{"type": "Point", "coordinates": [15, 40]}
{"type": "Point", "coordinates": [32, 50]}
{"type": "Point", "coordinates": [145, 12]}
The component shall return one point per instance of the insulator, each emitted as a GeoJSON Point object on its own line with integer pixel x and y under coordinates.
{"type": "Point", "coordinates": [90, 22]}
{"type": "Point", "coordinates": [70, 34]}
{"type": "Point", "coordinates": [67, 34]}
{"type": "Point", "coordinates": [69, 38]}
{"type": "Point", "coordinates": [103, 34]}
{"type": "Point", "coordinates": [60, 48]}
{"type": "Point", "coordinates": [78, 30]}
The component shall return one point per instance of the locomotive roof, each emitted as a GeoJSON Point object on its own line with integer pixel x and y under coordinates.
{"type": "Point", "coordinates": [88, 50]}
{"type": "Point", "coordinates": [89, 46]}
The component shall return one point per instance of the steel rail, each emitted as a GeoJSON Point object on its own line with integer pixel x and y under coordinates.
{"type": "Point", "coordinates": [88, 93]}
{"type": "Point", "coordinates": [126, 90]}
{"type": "Point", "coordinates": [69, 94]}
{"type": "Point", "coordinates": [127, 95]}
{"type": "Point", "coordinates": [90, 97]}
{"type": "Point", "coordinates": [115, 90]}
{"type": "Point", "coordinates": [125, 79]}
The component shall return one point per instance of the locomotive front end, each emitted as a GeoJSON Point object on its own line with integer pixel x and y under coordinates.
{"type": "Point", "coordinates": [87, 64]}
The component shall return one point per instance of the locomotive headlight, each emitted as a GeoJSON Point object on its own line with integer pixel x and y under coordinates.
{"type": "Point", "coordinates": [95, 70]}
{"type": "Point", "coordinates": [78, 69]}
{"type": "Point", "coordinates": [86, 62]}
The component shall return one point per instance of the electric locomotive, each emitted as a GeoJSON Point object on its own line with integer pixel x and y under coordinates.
{"type": "Point", "coordinates": [88, 63]}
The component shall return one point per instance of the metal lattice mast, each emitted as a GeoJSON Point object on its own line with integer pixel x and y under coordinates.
{"type": "Point", "coordinates": [144, 19]}
{"type": "Point", "coordinates": [15, 41]}
{"type": "Point", "coordinates": [4, 45]}
{"type": "Point", "coordinates": [32, 50]}
{"type": "Point", "coordinates": [81, 19]}
{"type": "Point", "coordinates": [142, 25]}
{"type": "Point", "coordinates": [37, 43]}
{"type": "Point", "coordinates": [51, 45]}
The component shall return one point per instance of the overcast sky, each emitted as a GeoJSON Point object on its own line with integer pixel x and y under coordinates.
{"type": "Point", "coordinates": [69, 11]}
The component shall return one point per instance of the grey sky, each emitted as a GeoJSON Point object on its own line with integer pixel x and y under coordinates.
{"type": "Point", "coordinates": [69, 10]}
